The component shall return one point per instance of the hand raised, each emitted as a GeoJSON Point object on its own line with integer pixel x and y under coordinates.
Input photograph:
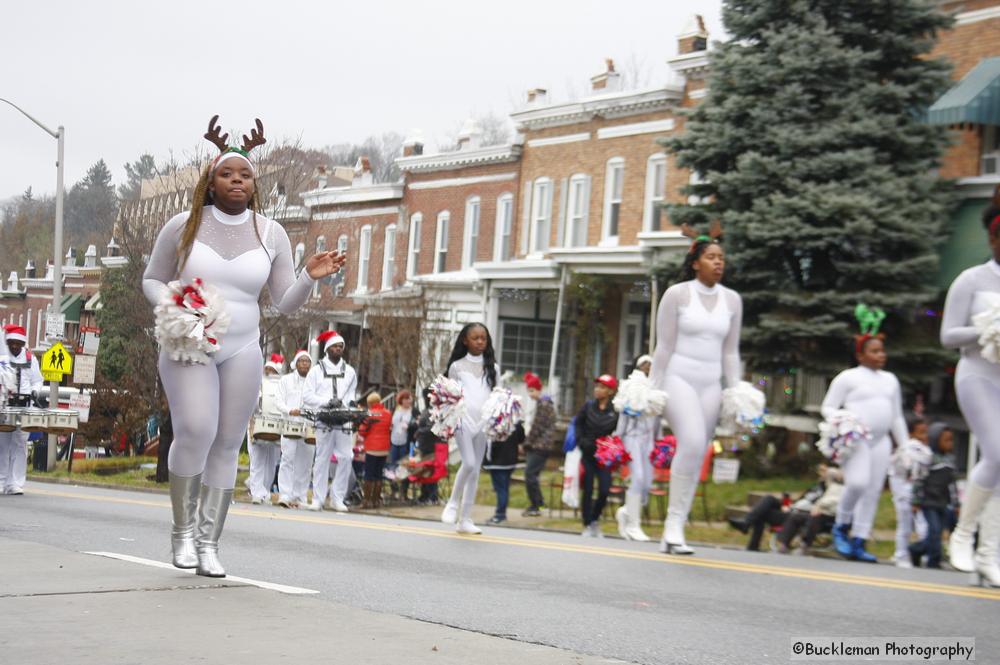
{"type": "Point", "coordinates": [325, 264]}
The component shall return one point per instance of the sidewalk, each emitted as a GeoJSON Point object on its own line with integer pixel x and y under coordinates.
{"type": "Point", "coordinates": [62, 607]}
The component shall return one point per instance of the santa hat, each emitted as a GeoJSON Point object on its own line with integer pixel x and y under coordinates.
{"type": "Point", "coordinates": [301, 353]}
{"type": "Point", "coordinates": [15, 333]}
{"type": "Point", "coordinates": [329, 338]}
{"type": "Point", "coordinates": [276, 362]}
{"type": "Point", "coordinates": [532, 380]}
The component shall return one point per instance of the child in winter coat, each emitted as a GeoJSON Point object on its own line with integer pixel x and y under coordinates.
{"type": "Point", "coordinates": [375, 432]}
{"type": "Point", "coordinates": [935, 494]}
{"type": "Point", "coordinates": [501, 458]}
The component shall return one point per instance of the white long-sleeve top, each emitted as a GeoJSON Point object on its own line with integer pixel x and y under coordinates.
{"type": "Point", "coordinates": [470, 372]}
{"type": "Point", "coordinates": [31, 374]}
{"type": "Point", "coordinates": [873, 396]}
{"type": "Point", "coordinates": [976, 290]}
{"type": "Point", "coordinates": [233, 257]}
{"type": "Point", "coordinates": [701, 324]}
{"type": "Point", "coordinates": [318, 388]}
{"type": "Point", "coordinates": [291, 388]}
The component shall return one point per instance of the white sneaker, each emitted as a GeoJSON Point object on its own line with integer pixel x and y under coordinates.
{"type": "Point", "coordinates": [338, 506]}
{"type": "Point", "coordinates": [904, 562]}
{"type": "Point", "coordinates": [313, 506]}
{"type": "Point", "coordinates": [450, 514]}
{"type": "Point", "coordinates": [466, 526]}
{"type": "Point", "coordinates": [595, 530]}
{"type": "Point", "coordinates": [256, 501]}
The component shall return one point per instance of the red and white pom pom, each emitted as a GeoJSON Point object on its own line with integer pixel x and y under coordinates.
{"type": "Point", "coordinates": [190, 321]}
{"type": "Point", "coordinates": [840, 434]}
{"type": "Point", "coordinates": [447, 406]}
{"type": "Point", "coordinates": [663, 452]}
{"type": "Point", "coordinates": [911, 460]}
{"type": "Point", "coordinates": [637, 396]}
{"type": "Point", "coordinates": [502, 413]}
{"type": "Point", "coordinates": [743, 407]}
{"type": "Point", "coordinates": [611, 453]}
{"type": "Point", "coordinates": [988, 326]}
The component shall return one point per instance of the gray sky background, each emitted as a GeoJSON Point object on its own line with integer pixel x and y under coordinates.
{"type": "Point", "coordinates": [130, 77]}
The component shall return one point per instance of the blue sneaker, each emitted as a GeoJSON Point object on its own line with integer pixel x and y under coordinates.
{"type": "Point", "coordinates": [841, 541]}
{"type": "Point", "coordinates": [859, 553]}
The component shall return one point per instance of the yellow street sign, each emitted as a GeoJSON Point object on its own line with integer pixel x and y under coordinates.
{"type": "Point", "coordinates": [56, 362]}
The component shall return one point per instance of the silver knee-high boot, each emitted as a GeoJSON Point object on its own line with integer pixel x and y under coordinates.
{"type": "Point", "coordinates": [184, 501]}
{"type": "Point", "coordinates": [212, 511]}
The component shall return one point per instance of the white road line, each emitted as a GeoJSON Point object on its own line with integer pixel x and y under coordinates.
{"type": "Point", "coordinates": [281, 588]}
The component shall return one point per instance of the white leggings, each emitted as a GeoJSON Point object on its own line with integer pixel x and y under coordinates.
{"type": "Point", "coordinates": [979, 399]}
{"type": "Point", "coordinates": [864, 478]}
{"type": "Point", "coordinates": [210, 406]}
{"type": "Point", "coordinates": [640, 469]}
{"type": "Point", "coordinates": [692, 414]}
{"type": "Point", "coordinates": [472, 448]}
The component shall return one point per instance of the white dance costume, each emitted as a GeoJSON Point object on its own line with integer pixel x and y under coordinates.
{"type": "Point", "coordinates": [638, 434]}
{"type": "Point", "coordinates": [698, 339]}
{"type": "Point", "coordinates": [211, 404]}
{"type": "Point", "coordinates": [471, 435]}
{"type": "Point", "coordinates": [316, 392]}
{"type": "Point", "coordinates": [296, 454]}
{"type": "Point", "coordinates": [875, 398]}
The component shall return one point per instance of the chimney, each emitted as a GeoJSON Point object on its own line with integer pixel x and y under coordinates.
{"type": "Point", "coordinates": [607, 81]}
{"type": "Point", "coordinates": [12, 284]}
{"type": "Point", "coordinates": [321, 177]}
{"type": "Point", "coordinates": [90, 258]}
{"type": "Point", "coordinates": [70, 261]}
{"type": "Point", "coordinates": [50, 269]}
{"type": "Point", "coordinates": [113, 248]}
{"type": "Point", "coordinates": [29, 269]}
{"type": "Point", "coordinates": [363, 173]}
{"type": "Point", "coordinates": [694, 36]}
{"type": "Point", "coordinates": [414, 145]}
{"type": "Point", "coordinates": [538, 97]}
{"type": "Point", "coordinates": [470, 137]}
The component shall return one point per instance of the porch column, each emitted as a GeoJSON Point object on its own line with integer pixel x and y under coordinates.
{"type": "Point", "coordinates": [555, 338]}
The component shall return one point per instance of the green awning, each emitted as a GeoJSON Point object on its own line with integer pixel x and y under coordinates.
{"type": "Point", "coordinates": [975, 99]}
{"type": "Point", "coordinates": [71, 305]}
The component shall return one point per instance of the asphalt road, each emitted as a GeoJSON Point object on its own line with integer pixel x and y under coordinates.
{"type": "Point", "coordinates": [606, 598]}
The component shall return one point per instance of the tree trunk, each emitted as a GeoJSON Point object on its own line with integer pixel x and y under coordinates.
{"type": "Point", "coordinates": [166, 438]}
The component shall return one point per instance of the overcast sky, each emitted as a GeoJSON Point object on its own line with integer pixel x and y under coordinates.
{"type": "Point", "coordinates": [131, 77]}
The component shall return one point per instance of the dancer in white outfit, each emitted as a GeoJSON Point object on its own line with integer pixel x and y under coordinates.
{"type": "Point", "coordinates": [874, 397]}
{"type": "Point", "coordinates": [473, 364]}
{"type": "Point", "coordinates": [977, 384]}
{"type": "Point", "coordinates": [697, 345]}
{"type": "Point", "coordinates": [225, 243]}
{"type": "Point", "coordinates": [296, 454]}
{"type": "Point", "coordinates": [902, 470]}
{"type": "Point", "coordinates": [28, 380]}
{"type": "Point", "coordinates": [638, 433]}
{"type": "Point", "coordinates": [264, 455]}
{"type": "Point", "coordinates": [329, 379]}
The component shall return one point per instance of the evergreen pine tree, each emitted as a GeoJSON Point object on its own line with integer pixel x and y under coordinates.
{"type": "Point", "coordinates": [813, 154]}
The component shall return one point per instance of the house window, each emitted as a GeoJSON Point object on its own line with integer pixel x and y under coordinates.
{"type": "Point", "coordinates": [338, 287]}
{"type": "Point", "coordinates": [416, 222]}
{"type": "Point", "coordinates": [364, 258]}
{"type": "Point", "coordinates": [576, 216]}
{"type": "Point", "coordinates": [613, 183]}
{"type": "Point", "coordinates": [656, 187]}
{"type": "Point", "coordinates": [504, 228]}
{"type": "Point", "coordinates": [541, 215]}
{"type": "Point", "coordinates": [300, 253]}
{"type": "Point", "coordinates": [441, 243]}
{"type": "Point", "coordinates": [991, 150]}
{"type": "Point", "coordinates": [696, 179]}
{"type": "Point", "coordinates": [320, 247]}
{"type": "Point", "coordinates": [389, 257]}
{"type": "Point", "coordinates": [471, 232]}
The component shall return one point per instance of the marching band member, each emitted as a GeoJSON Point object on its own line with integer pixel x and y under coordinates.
{"type": "Point", "coordinates": [28, 380]}
{"type": "Point", "coordinates": [264, 454]}
{"type": "Point", "coordinates": [331, 378]}
{"type": "Point", "coordinates": [296, 454]}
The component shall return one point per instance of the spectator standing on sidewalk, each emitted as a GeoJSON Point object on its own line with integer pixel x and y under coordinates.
{"type": "Point", "coordinates": [401, 418]}
{"type": "Point", "coordinates": [596, 419]}
{"type": "Point", "coordinates": [936, 496]}
{"type": "Point", "coordinates": [375, 432]}
{"type": "Point", "coordinates": [537, 444]}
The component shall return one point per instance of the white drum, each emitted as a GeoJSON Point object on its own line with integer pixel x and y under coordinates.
{"type": "Point", "coordinates": [310, 435]}
{"type": "Point", "coordinates": [10, 418]}
{"type": "Point", "coordinates": [293, 429]}
{"type": "Point", "coordinates": [61, 421]}
{"type": "Point", "coordinates": [34, 420]}
{"type": "Point", "coordinates": [267, 428]}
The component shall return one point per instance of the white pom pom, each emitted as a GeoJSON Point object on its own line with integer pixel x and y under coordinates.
{"type": "Point", "coordinates": [840, 434]}
{"type": "Point", "coordinates": [447, 406]}
{"type": "Point", "coordinates": [637, 396]}
{"type": "Point", "coordinates": [190, 321]}
{"type": "Point", "coordinates": [911, 460]}
{"type": "Point", "coordinates": [502, 413]}
{"type": "Point", "coordinates": [743, 407]}
{"type": "Point", "coordinates": [988, 326]}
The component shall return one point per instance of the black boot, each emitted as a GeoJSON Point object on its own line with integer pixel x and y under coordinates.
{"type": "Point", "coordinates": [739, 524]}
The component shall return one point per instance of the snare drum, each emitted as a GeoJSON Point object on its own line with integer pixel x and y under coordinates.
{"type": "Point", "coordinates": [34, 420]}
{"type": "Point", "coordinates": [266, 428]}
{"type": "Point", "coordinates": [61, 421]}
{"type": "Point", "coordinates": [293, 429]}
{"type": "Point", "coordinates": [310, 435]}
{"type": "Point", "coordinates": [10, 418]}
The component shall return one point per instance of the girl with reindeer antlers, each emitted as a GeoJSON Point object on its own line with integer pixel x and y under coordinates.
{"type": "Point", "coordinates": [697, 344]}
{"type": "Point", "coordinates": [204, 277]}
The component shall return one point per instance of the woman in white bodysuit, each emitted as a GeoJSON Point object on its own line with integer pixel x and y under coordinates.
{"type": "Point", "coordinates": [977, 385]}
{"type": "Point", "coordinates": [697, 346]}
{"type": "Point", "coordinates": [227, 244]}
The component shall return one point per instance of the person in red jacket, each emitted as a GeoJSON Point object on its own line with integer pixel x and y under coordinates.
{"type": "Point", "coordinates": [376, 433]}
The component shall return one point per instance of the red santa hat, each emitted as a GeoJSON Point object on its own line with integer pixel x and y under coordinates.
{"type": "Point", "coordinates": [277, 362]}
{"type": "Point", "coordinates": [532, 380]}
{"type": "Point", "coordinates": [328, 338]}
{"type": "Point", "coordinates": [301, 353]}
{"type": "Point", "coordinates": [15, 333]}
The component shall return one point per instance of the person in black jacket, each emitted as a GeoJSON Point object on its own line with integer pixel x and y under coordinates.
{"type": "Point", "coordinates": [935, 494]}
{"type": "Point", "coordinates": [596, 419]}
{"type": "Point", "coordinates": [501, 458]}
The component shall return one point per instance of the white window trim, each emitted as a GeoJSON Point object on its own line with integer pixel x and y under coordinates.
{"type": "Point", "coordinates": [647, 212]}
{"type": "Point", "coordinates": [364, 257]}
{"type": "Point", "coordinates": [388, 257]}
{"type": "Point", "coordinates": [570, 209]}
{"type": "Point", "coordinates": [533, 251]}
{"type": "Point", "coordinates": [300, 254]}
{"type": "Point", "coordinates": [320, 247]}
{"type": "Point", "coordinates": [413, 248]}
{"type": "Point", "coordinates": [468, 251]}
{"type": "Point", "coordinates": [606, 238]}
{"type": "Point", "coordinates": [445, 217]}
{"type": "Point", "coordinates": [498, 239]}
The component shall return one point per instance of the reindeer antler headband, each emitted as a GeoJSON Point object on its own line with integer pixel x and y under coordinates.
{"type": "Point", "coordinates": [869, 321]}
{"type": "Point", "coordinates": [218, 139]}
{"type": "Point", "coordinates": [714, 234]}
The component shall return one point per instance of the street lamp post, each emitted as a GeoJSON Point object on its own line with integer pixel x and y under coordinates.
{"type": "Point", "coordinates": [60, 136]}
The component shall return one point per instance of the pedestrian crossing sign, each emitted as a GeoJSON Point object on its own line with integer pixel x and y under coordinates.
{"type": "Point", "coordinates": [56, 363]}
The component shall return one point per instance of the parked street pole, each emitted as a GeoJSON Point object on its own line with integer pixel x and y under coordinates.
{"type": "Point", "coordinates": [60, 136]}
